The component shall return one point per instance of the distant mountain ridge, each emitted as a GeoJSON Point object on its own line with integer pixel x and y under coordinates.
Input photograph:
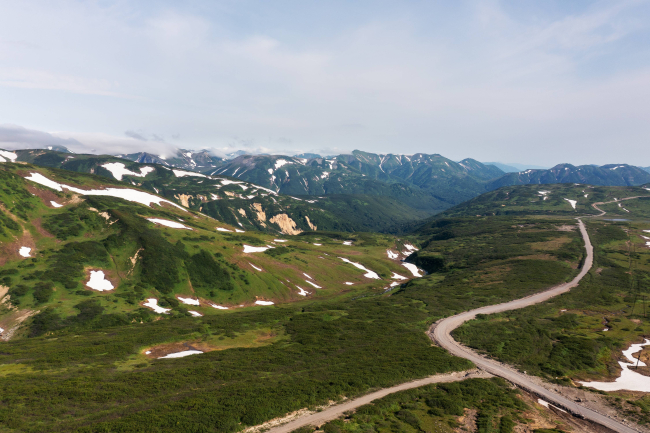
{"type": "Point", "coordinates": [424, 184]}
{"type": "Point", "coordinates": [187, 159]}
{"type": "Point", "coordinates": [606, 175]}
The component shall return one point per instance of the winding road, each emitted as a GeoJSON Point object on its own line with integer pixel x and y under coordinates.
{"type": "Point", "coordinates": [440, 333]}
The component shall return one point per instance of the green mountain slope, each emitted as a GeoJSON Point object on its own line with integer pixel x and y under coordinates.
{"type": "Point", "coordinates": [58, 228]}
{"type": "Point", "coordinates": [246, 204]}
{"type": "Point", "coordinates": [544, 200]}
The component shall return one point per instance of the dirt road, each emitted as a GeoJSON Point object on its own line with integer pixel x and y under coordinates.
{"type": "Point", "coordinates": [440, 332]}
{"type": "Point", "coordinates": [333, 412]}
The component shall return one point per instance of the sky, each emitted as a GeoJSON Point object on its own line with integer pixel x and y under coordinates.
{"type": "Point", "coordinates": [511, 81]}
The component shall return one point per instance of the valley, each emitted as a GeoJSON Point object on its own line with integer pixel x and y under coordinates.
{"type": "Point", "coordinates": [124, 295]}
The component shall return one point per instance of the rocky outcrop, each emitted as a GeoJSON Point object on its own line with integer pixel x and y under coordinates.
{"type": "Point", "coordinates": [286, 224]}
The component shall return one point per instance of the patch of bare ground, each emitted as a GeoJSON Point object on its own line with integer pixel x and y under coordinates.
{"type": "Point", "coordinates": [551, 245]}
{"type": "Point", "coordinates": [47, 196]}
{"type": "Point", "coordinates": [10, 250]}
{"type": "Point", "coordinates": [11, 322]}
{"type": "Point", "coordinates": [37, 223]}
{"type": "Point", "coordinates": [566, 228]}
{"type": "Point", "coordinates": [276, 422]}
{"type": "Point", "coordinates": [468, 421]}
{"type": "Point", "coordinates": [180, 346]}
{"type": "Point", "coordinates": [536, 257]}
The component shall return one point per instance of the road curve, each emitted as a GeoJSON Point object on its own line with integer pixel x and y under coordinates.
{"type": "Point", "coordinates": [440, 332]}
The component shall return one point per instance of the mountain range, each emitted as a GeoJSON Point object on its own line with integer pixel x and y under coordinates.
{"type": "Point", "coordinates": [359, 191]}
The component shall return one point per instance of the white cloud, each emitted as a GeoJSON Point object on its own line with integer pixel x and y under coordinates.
{"type": "Point", "coordinates": [489, 80]}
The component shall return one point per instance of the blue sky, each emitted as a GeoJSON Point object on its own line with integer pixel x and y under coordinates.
{"type": "Point", "coordinates": [521, 81]}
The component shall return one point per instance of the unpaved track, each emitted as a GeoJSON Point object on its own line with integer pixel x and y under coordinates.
{"type": "Point", "coordinates": [333, 412]}
{"type": "Point", "coordinates": [440, 332]}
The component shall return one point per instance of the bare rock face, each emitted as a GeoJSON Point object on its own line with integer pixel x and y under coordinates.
{"type": "Point", "coordinates": [286, 224]}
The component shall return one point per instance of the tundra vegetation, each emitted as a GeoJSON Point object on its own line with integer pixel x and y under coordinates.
{"type": "Point", "coordinates": [79, 361]}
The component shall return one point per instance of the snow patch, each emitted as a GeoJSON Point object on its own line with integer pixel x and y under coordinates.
{"type": "Point", "coordinates": [249, 249]}
{"type": "Point", "coordinates": [313, 284]}
{"type": "Point", "coordinates": [218, 307]}
{"type": "Point", "coordinates": [414, 269]}
{"type": "Point", "coordinates": [280, 162]}
{"type": "Point", "coordinates": [118, 170]}
{"type": "Point", "coordinates": [347, 283]}
{"type": "Point", "coordinates": [318, 245]}
{"type": "Point", "coordinates": [410, 247]}
{"type": "Point", "coordinates": [167, 223]}
{"type": "Point", "coordinates": [9, 155]}
{"type": "Point", "coordinates": [182, 354]}
{"type": "Point", "coordinates": [263, 303]}
{"type": "Point", "coordinates": [25, 251]}
{"type": "Point", "coordinates": [572, 202]}
{"type": "Point", "coordinates": [221, 229]}
{"type": "Point", "coordinates": [629, 380]}
{"type": "Point", "coordinates": [153, 304]}
{"type": "Point", "coordinates": [188, 301]}
{"type": "Point", "coordinates": [195, 313]}
{"type": "Point", "coordinates": [280, 240]}
{"type": "Point", "coordinates": [255, 267]}
{"type": "Point", "coordinates": [124, 193]}
{"type": "Point", "coordinates": [369, 273]}
{"type": "Point", "coordinates": [98, 282]}
{"type": "Point", "coordinates": [392, 255]}
{"type": "Point", "coordinates": [55, 204]}
{"type": "Point", "coordinates": [182, 173]}
{"type": "Point", "coordinates": [347, 243]}
{"type": "Point", "coordinates": [397, 276]}
{"type": "Point", "coordinates": [302, 291]}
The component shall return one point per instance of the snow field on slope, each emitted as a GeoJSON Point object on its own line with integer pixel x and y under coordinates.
{"type": "Point", "coordinates": [153, 304]}
{"type": "Point", "coordinates": [369, 273]}
{"type": "Point", "coordinates": [629, 379]}
{"type": "Point", "coordinates": [188, 301]}
{"type": "Point", "coordinates": [8, 155]}
{"type": "Point", "coordinates": [264, 303]}
{"type": "Point", "coordinates": [118, 170]}
{"type": "Point", "coordinates": [183, 173]}
{"type": "Point", "coordinates": [572, 202]}
{"type": "Point", "coordinates": [414, 269]}
{"type": "Point", "coordinates": [181, 354]}
{"type": "Point", "coordinates": [167, 223]}
{"type": "Point", "coordinates": [124, 193]}
{"type": "Point", "coordinates": [250, 249]}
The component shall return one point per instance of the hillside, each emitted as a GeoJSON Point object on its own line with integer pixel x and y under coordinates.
{"type": "Point", "coordinates": [242, 203]}
{"type": "Point", "coordinates": [62, 230]}
{"type": "Point", "coordinates": [558, 199]}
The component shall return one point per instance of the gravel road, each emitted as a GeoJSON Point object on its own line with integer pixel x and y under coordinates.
{"type": "Point", "coordinates": [440, 332]}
